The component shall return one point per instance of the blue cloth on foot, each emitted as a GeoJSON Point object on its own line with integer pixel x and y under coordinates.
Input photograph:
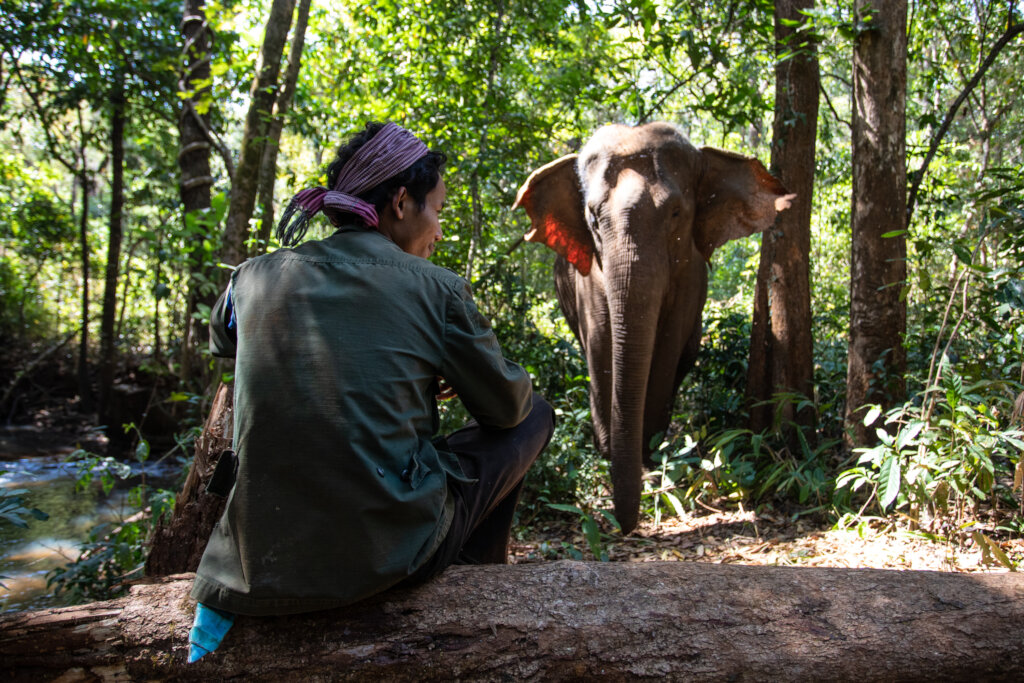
{"type": "Point", "coordinates": [208, 630]}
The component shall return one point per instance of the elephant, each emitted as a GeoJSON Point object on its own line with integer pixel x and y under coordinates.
{"type": "Point", "coordinates": [634, 218]}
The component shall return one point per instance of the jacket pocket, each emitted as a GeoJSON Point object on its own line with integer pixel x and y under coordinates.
{"type": "Point", "coordinates": [417, 470]}
{"type": "Point", "coordinates": [428, 459]}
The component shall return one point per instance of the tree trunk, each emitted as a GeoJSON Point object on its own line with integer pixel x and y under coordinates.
{"type": "Point", "coordinates": [262, 96]}
{"type": "Point", "coordinates": [781, 345]}
{"type": "Point", "coordinates": [196, 176]}
{"type": "Point", "coordinates": [268, 165]}
{"type": "Point", "coordinates": [178, 545]}
{"type": "Point", "coordinates": [85, 402]}
{"type": "Point", "coordinates": [564, 621]}
{"type": "Point", "coordinates": [878, 269]}
{"type": "Point", "coordinates": [494, 61]}
{"type": "Point", "coordinates": [107, 340]}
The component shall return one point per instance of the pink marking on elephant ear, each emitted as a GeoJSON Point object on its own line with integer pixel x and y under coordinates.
{"type": "Point", "coordinates": [561, 240]}
{"type": "Point", "coordinates": [548, 230]}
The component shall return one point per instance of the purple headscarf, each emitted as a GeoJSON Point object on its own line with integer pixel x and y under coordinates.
{"type": "Point", "coordinates": [392, 150]}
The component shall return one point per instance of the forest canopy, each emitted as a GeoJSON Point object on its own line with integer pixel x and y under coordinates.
{"type": "Point", "coordinates": [147, 148]}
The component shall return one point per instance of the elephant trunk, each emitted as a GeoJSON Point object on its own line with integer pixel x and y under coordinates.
{"type": "Point", "coordinates": [634, 312]}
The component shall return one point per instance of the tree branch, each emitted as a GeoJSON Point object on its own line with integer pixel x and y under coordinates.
{"type": "Point", "coordinates": [225, 153]}
{"type": "Point", "coordinates": [1012, 31]}
{"type": "Point", "coordinates": [828, 100]}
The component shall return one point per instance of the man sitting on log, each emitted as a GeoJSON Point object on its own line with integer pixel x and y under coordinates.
{"type": "Point", "coordinates": [342, 348]}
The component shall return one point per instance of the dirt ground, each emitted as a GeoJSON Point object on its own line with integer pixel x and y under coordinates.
{"type": "Point", "coordinates": [768, 538]}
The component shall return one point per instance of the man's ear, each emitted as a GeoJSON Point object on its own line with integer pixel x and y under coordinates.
{"type": "Point", "coordinates": [400, 202]}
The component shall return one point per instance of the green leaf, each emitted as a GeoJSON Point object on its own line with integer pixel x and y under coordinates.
{"type": "Point", "coordinates": [669, 497]}
{"type": "Point", "coordinates": [908, 435]}
{"type": "Point", "coordinates": [872, 415]}
{"type": "Point", "coordinates": [562, 507]}
{"type": "Point", "coordinates": [889, 481]}
{"type": "Point", "coordinates": [593, 535]}
{"type": "Point", "coordinates": [990, 548]}
{"type": "Point", "coordinates": [607, 514]}
{"type": "Point", "coordinates": [962, 253]}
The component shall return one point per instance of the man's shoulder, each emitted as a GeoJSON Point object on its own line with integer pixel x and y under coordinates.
{"type": "Point", "coordinates": [364, 250]}
{"type": "Point", "coordinates": [379, 250]}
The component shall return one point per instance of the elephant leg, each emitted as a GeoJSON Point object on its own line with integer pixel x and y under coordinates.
{"type": "Point", "coordinates": [587, 313]}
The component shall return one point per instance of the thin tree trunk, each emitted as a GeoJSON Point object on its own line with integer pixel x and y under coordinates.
{"type": "Point", "coordinates": [781, 345]}
{"type": "Point", "coordinates": [157, 351]}
{"type": "Point", "coordinates": [107, 337]}
{"type": "Point", "coordinates": [878, 314]}
{"type": "Point", "coordinates": [85, 401]}
{"type": "Point", "coordinates": [262, 96]}
{"type": "Point", "coordinates": [497, 29]}
{"type": "Point", "coordinates": [196, 177]}
{"type": "Point", "coordinates": [125, 284]}
{"type": "Point", "coordinates": [268, 165]}
{"type": "Point", "coordinates": [79, 169]}
{"type": "Point", "coordinates": [563, 621]}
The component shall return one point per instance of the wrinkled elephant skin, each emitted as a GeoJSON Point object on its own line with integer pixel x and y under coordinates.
{"type": "Point", "coordinates": [634, 218]}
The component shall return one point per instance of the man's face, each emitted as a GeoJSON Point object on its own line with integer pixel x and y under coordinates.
{"type": "Point", "coordinates": [419, 231]}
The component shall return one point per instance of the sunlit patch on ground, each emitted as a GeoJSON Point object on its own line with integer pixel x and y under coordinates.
{"type": "Point", "coordinates": [743, 537]}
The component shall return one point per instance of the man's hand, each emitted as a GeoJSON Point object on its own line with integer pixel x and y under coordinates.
{"type": "Point", "coordinates": [444, 390]}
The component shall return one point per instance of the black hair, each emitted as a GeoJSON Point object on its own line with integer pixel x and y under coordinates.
{"type": "Point", "coordinates": [418, 180]}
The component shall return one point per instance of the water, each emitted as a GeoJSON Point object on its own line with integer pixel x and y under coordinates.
{"type": "Point", "coordinates": [28, 555]}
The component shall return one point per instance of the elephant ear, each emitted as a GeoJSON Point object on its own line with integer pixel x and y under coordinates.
{"type": "Point", "coordinates": [736, 197]}
{"type": "Point", "coordinates": [554, 202]}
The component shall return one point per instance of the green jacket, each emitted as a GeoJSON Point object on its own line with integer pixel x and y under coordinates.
{"type": "Point", "coordinates": [340, 493]}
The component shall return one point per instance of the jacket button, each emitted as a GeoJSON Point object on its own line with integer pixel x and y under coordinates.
{"type": "Point", "coordinates": [406, 475]}
{"type": "Point", "coordinates": [380, 471]}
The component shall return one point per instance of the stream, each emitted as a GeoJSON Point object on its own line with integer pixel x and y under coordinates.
{"type": "Point", "coordinates": [27, 555]}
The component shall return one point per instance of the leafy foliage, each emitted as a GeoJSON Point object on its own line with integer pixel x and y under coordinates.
{"type": "Point", "coordinates": [13, 510]}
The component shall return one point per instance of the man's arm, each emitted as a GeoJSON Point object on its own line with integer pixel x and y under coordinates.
{"type": "Point", "coordinates": [495, 391]}
{"type": "Point", "coordinates": [223, 327]}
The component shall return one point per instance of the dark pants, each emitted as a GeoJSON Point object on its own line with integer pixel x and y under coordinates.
{"type": "Point", "coordinates": [498, 459]}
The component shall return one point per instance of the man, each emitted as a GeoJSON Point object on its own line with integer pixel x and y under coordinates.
{"type": "Point", "coordinates": [342, 347]}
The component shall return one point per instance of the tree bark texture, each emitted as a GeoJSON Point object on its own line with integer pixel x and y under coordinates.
{"type": "Point", "coordinates": [108, 356]}
{"type": "Point", "coordinates": [878, 269]}
{"type": "Point", "coordinates": [85, 400]}
{"type": "Point", "coordinates": [178, 545]}
{"type": "Point", "coordinates": [781, 345]}
{"type": "Point", "coordinates": [564, 621]}
{"type": "Point", "coordinates": [262, 95]}
{"type": "Point", "coordinates": [268, 164]}
{"type": "Point", "coordinates": [194, 165]}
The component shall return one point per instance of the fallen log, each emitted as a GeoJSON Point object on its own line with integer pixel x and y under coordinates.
{"type": "Point", "coordinates": [563, 621]}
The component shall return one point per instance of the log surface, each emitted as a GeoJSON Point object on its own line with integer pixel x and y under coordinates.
{"type": "Point", "coordinates": [563, 621]}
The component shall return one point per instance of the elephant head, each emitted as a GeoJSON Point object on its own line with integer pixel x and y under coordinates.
{"type": "Point", "coordinates": [634, 219]}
